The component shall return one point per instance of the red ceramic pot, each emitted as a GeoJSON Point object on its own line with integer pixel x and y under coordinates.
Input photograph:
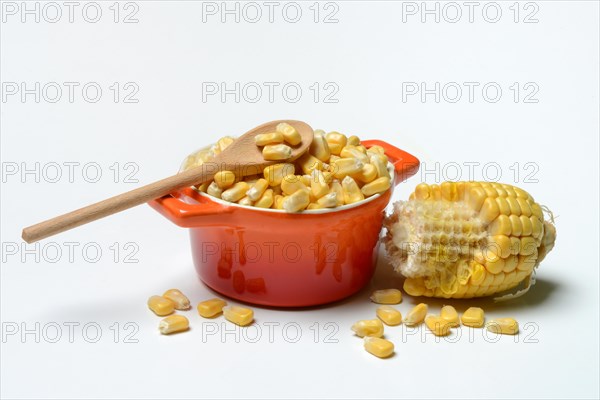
{"type": "Point", "coordinates": [274, 258]}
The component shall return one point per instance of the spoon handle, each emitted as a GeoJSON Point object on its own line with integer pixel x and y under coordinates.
{"type": "Point", "coordinates": [118, 203]}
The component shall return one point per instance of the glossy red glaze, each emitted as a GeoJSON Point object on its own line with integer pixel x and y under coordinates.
{"type": "Point", "coordinates": [280, 259]}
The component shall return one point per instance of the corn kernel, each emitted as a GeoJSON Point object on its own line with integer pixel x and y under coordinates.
{"type": "Point", "coordinates": [450, 315]}
{"type": "Point", "coordinates": [437, 325]}
{"type": "Point", "coordinates": [379, 185]}
{"type": "Point", "coordinates": [389, 315]}
{"type": "Point", "coordinates": [266, 200]}
{"type": "Point", "coordinates": [160, 305]}
{"type": "Point", "coordinates": [328, 201]}
{"type": "Point", "coordinates": [241, 316]}
{"type": "Point", "coordinates": [473, 317]}
{"type": "Point", "coordinates": [336, 142]}
{"type": "Point", "coordinates": [236, 192]}
{"type": "Point", "coordinates": [214, 190]}
{"type": "Point", "coordinates": [290, 134]}
{"type": "Point", "coordinates": [173, 324]}
{"type": "Point", "coordinates": [211, 308]}
{"type": "Point", "coordinates": [380, 165]}
{"type": "Point", "coordinates": [308, 163]}
{"type": "Point", "coordinates": [318, 184]}
{"type": "Point", "coordinates": [224, 179]}
{"type": "Point", "coordinates": [179, 299]}
{"type": "Point", "coordinates": [278, 202]}
{"type": "Point", "coordinates": [245, 201]}
{"type": "Point", "coordinates": [353, 152]}
{"type": "Point", "coordinates": [353, 141]}
{"type": "Point", "coordinates": [297, 201]}
{"type": "Point", "coordinates": [367, 174]}
{"type": "Point", "coordinates": [319, 147]}
{"type": "Point", "coordinates": [368, 327]}
{"type": "Point", "coordinates": [381, 348]}
{"type": "Point", "coordinates": [224, 142]}
{"type": "Point", "coordinates": [352, 193]}
{"type": "Point", "coordinates": [386, 296]}
{"type": "Point", "coordinates": [313, 206]}
{"type": "Point", "coordinates": [416, 315]}
{"type": "Point", "coordinates": [346, 166]}
{"type": "Point", "coordinates": [264, 139]}
{"type": "Point", "coordinates": [292, 183]}
{"type": "Point", "coordinates": [257, 189]}
{"type": "Point", "coordinates": [275, 173]}
{"type": "Point", "coordinates": [203, 187]}
{"type": "Point", "coordinates": [505, 326]}
{"type": "Point", "coordinates": [336, 187]}
{"type": "Point", "coordinates": [276, 152]}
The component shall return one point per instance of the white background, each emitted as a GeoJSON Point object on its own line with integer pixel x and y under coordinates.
{"type": "Point", "coordinates": [368, 54]}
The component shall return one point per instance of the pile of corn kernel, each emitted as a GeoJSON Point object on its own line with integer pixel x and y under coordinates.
{"type": "Point", "coordinates": [337, 170]}
{"type": "Point", "coordinates": [174, 299]}
{"type": "Point", "coordinates": [440, 325]}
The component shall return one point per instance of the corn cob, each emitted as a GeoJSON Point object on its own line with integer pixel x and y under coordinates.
{"type": "Point", "coordinates": [467, 239]}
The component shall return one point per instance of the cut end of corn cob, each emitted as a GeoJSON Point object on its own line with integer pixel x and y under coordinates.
{"type": "Point", "coordinates": [467, 239]}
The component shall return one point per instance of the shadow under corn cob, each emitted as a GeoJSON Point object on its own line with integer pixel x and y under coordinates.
{"type": "Point", "coordinates": [467, 239]}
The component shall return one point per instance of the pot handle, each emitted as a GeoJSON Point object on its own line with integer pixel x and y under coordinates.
{"type": "Point", "coordinates": [405, 164]}
{"type": "Point", "coordinates": [202, 212]}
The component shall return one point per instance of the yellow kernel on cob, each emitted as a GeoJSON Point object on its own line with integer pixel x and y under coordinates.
{"type": "Point", "coordinates": [210, 308]}
{"type": "Point", "coordinates": [276, 152]}
{"type": "Point", "coordinates": [241, 316]}
{"type": "Point", "coordinates": [505, 326]}
{"type": "Point", "coordinates": [236, 192]}
{"type": "Point", "coordinates": [386, 296]}
{"type": "Point", "coordinates": [275, 173]}
{"type": "Point", "coordinates": [179, 299]}
{"type": "Point", "coordinates": [416, 315]}
{"type": "Point", "coordinates": [214, 190]}
{"type": "Point", "coordinates": [297, 201]}
{"type": "Point", "coordinates": [389, 315]}
{"type": "Point", "coordinates": [352, 193]}
{"type": "Point", "coordinates": [257, 189]}
{"type": "Point", "coordinates": [160, 305]}
{"type": "Point", "coordinates": [473, 317]}
{"type": "Point", "coordinates": [449, 314]}
{"type": "Point", "coordinates": [266, 200]}
{"type": "Point", "coordinates": [381, 348]}
{"type": "Point", "coordinates": [379, 185]}
{"type": "Point", "coordinates": [291, 184]}
{"type": "Point", "coordinates": [173, 324]}
{"type": "Point", "coordinates": [264, 139]}
{"type": "Point", "coordinates": [437, 325]}
{"type": "Point", "coordinates": [224, 179]}
{"type": "Point", "coordinates": [368, 327]}
{"type": "Point", "coordinates": [290, 134]}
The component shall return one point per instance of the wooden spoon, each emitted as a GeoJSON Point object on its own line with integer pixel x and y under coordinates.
{"type": "Point", "coordinates": [242, 157]}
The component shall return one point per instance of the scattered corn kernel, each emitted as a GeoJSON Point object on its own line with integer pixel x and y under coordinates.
{"type": "Point", "coordinates": [368, 327]}
{"type": "Point", "coordinates": [308, 163]}
{"type": "Point", "coordinates": [386, 296]}
{"type": "Point", "coordinates": [438, 325]}
{"type": "Point", "coordinates": [214, 190]}
{"type": "Point", "coordinates": [381, 348]}
{"type": "Point", "coordinates": [353, 141]}
{"type": "Point", "coordinates": [380, 165]}
{"type": "Point", "coordinates": [257, 189]}
{"type": "Point", "coordinates": [352, 193]}
{"type": "Point", "coordinates": [330, 200]}
{"type": "Point", "coordinates": [389, 315]}
{"type": "Point", "coordinates": [416, 315]}
{"type": "Point", "coordinates": [318, 185]}
{"type": "Point", "coordinates": [179, 299]}
{"type": "Point", "coordinates": [264, 139]}
{"type": "Point", "coordinates": [473, 317]}
{"type": "Point", "coordinates": [266, 200]}
{"type": "Point", "coordinates": [276, 152]}
{"type": "Point", "coordinates": [336, 142]}
{"type": "Point", "coordinates": [319, 147]}
{"type": "Point", "coordinates": [346, 166]}
{"type": "Point", "coordinates": [210, 308]}
{"type": "Point", "coordinates": [292, 183]}
{"type": "Point", "coordinates": [353, 152]}
{"type": "Point", "coordinates": [160, 305]}
{"type": "Point", "coordinates": [173, 324]}
{"type": "Point", "coordinates": [275, 173]}
{"type": "Point", "coordinates": [505, 326]}
{"type": "Point", "coordinates": [450, 315]}
{"type": "Point", "coordinates": [241, 316]}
